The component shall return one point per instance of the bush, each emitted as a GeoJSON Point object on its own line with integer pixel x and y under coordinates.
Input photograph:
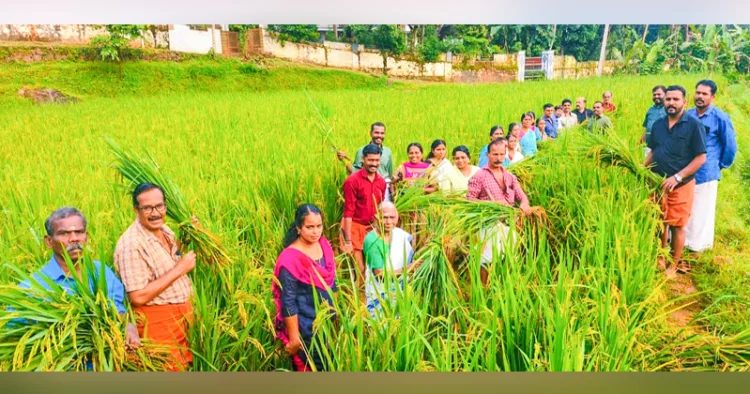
{"type": "Point", "coordinates": [250, 68]}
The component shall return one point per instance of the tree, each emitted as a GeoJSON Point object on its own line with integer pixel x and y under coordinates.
{"type": "Point", "coordinates": [296, 33]}
{"type": "Point", "coordinates": [111, 45]}
{"type": "Point", "coordinates": [579, 41]}
{"type": "Point", "coordinates": [360, 34]}
{"type": "Point", "coordinates": [391, 41]}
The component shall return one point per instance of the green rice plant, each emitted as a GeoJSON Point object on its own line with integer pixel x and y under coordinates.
{"type": "Point", "coordinates": [47, 329]}
{"type": "Point", "coordinates": [580, 290]}
{"type": "Point", "coordinates": [137, 170]}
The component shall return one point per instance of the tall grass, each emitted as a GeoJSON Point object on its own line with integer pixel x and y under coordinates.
{"type": "Point", "coordinates": [580, 293]}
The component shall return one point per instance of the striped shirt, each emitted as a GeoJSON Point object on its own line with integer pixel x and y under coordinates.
{"type": "Point", "coordinates": [140, 259]}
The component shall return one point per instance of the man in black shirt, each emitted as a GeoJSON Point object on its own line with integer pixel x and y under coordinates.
{"type": "Point", "coordinates": [581, 112]}
{"type": "Point", "coordinates": [678, 150]}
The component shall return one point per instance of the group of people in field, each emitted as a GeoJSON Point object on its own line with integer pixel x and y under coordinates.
{"type": "Point", "coordinates": [688, 147]}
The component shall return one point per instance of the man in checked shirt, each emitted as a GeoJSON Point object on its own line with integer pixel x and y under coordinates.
{"type": "Point", "coordinates": [494, 183]}
{"type": "Point", "coordinates": [148, 260]}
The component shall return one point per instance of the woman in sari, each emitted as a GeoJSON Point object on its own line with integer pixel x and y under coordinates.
{"type": "Point", "coordinates": [529, 135]}
{"type": "Point", "coordinates": [442, 175]}
{"type": "Point", "coordinates": [305, 270]}
{"type": "Point", "coordinates": [462, 161]}
{"type": "Point", "coordinates": [410, 170]}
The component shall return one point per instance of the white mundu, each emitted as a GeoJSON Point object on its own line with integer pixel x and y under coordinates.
{"type": "Point", "coordinates": [494, 239]}
{"type": "Point", "coordinates": [699, 233]}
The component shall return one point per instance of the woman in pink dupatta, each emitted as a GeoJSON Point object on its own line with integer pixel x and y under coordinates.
{"type": "Point", "coordinates": [409, 171]}
{"type": "Point", "coordinates": [306, 266]}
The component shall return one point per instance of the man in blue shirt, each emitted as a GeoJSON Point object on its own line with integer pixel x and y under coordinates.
{"type": "Point", "coordinates": [654, 113]}
{"type": "Point", "coordinates": [550, 121]}
{"type": "Point", "coordinates": [721, 148]}
{"type": "Point", "coordinates": [66, 233]}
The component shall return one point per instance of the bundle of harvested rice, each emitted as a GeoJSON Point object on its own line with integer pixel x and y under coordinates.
{"type": "Point", "coordinates": [136, 170]}
{"type": "Point", "coordinates": [44, 328]}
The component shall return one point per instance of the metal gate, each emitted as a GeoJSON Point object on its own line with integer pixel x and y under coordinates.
{"type": "Point", "coordinates": [230, 43]}
{"type": "Point", "coordinates": [254, 42]}
{"type": "Point", "coordinates": [532, 68]}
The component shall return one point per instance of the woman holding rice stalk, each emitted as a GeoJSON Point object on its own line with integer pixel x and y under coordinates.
{"type": "Point", "coordinates": [305, 271]}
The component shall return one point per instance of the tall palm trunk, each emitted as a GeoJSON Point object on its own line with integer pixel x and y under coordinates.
{"type": "Point", "coordinates": [603, 53]}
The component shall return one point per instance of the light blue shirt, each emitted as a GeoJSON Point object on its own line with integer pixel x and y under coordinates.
{"type": "Point", "coordinates": [721, 145]}
{"type": "Point", "coordinates": [52, 270]}
{"type": "Point", "coordinates": [483, 159]}
{"type": "Point", "coordinates": [529, 140]}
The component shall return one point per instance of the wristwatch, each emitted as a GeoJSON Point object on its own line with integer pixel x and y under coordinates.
{"type": "Point", "coordinates": [678, 177]}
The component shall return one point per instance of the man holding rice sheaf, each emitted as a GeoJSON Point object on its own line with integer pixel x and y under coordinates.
{"type": "Point", "coordinates": [148, 259]}
{"type": "Point", "coordinates": [494, 183]}
{"type": "Point", "coordinates": [67, 234]}
{"type": "Point", "coordinates": [678, 150]}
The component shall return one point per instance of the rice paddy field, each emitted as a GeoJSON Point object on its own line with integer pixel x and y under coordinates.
{"type": "Point", "coordinates": [582, 293]}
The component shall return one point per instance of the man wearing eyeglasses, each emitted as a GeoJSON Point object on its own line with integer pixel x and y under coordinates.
{"type": "Point", "coordinates": [148, 260]}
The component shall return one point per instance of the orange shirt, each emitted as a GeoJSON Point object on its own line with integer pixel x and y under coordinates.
{"type": "Point", "coordinates": [609, 107]}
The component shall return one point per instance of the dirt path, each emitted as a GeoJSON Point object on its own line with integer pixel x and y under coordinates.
{"type": "Point", "coordinates": [682, 286]}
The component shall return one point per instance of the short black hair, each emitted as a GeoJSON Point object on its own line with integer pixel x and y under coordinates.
{"type": "Point", "coordinates": [371, 149]}
{"type": "Point", "coordinates": [498, 141]}
{"type": "Point", "coordinates": [707, 82]}
{"type": "Point", "coordinates": [598, 102]}
{"type": "Point", "coordinates": [548, 105]}
{"type": "Point", "coordinates": [462, 148]}
{"type": "Point", "coordinates": [659, 87]}
{"type": "Point", "coordinates": [677, 88]}
{"type": "Point", "coordinates": [567, 101]}
{"type": "Point", "coordinates": [558, 107]}
{"type": "Point", "coordinates": [372, 126]}
{"type": "Point", "coordinates": [144, 187]}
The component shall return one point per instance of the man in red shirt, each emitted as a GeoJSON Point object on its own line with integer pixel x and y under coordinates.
{"type": "Point", "coordinates": [494, 183]}
{"type": "Point", "coordinates": [607, 103]}
{"type": "Point", "coordinates": [364, 190]}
